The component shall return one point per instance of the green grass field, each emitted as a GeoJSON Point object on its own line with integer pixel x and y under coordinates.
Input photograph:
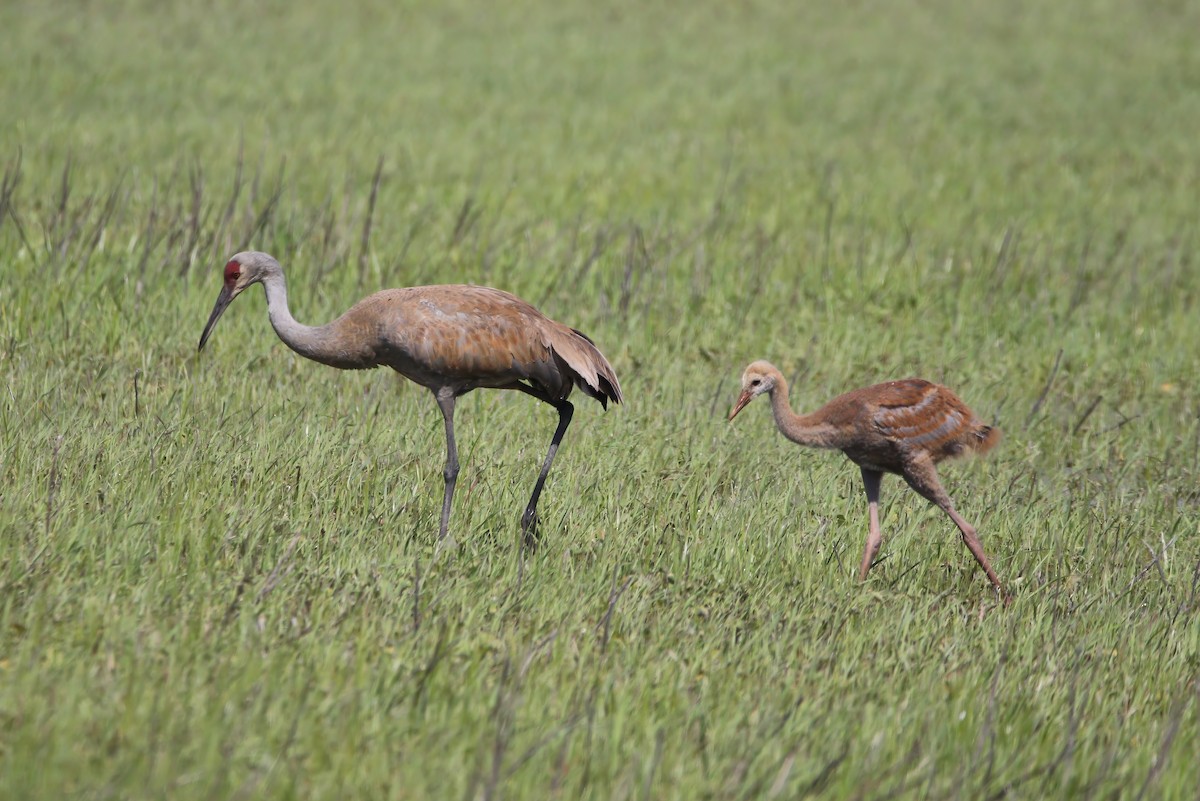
{"type": "Point", "coordinates": [218, 572]}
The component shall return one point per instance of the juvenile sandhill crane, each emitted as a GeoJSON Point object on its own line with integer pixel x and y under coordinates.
{"type": "Point", "coordinates": [902, 427]}
{"type": "Point", "coordinates": [450, 339]}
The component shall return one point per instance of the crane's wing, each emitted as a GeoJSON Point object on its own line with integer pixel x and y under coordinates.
{"type": "Point", "coordinates": [474, 336]}
{"type": "Point", "coordinates": [583, 362]}
{"type": "Point", "coordinates": [917, 413]}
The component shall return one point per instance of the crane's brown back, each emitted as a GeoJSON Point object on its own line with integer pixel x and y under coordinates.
{"type": "Point", "coordinates": [885, 423]}
{"type": "Point", "coordinates": [472, 337]}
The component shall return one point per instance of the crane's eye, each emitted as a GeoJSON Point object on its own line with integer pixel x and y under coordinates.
{"type": "Point", "coordinates": [755, 382]}
{"type": "Point", "coordinates": [233, 271]}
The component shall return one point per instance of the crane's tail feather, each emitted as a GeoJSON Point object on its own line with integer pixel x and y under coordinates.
{"type": "Point", "coordinates": [591, 372]}
{"type": "Point", "coordinates": [987, 437]}
{"type": "Point", "coordinates": [591, 341]}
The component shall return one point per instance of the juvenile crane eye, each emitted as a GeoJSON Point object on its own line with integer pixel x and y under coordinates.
{"type": "Point", "coordinates": [755, 382]}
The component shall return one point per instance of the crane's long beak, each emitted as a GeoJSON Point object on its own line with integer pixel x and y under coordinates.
{"type": "Point", "coordinates": [223, 301]}
{"type": "Point", "coordinates": [742, 400]}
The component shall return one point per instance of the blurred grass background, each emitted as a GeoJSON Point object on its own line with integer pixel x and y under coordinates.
{"type": "Point", "coordinates": [218, 575]}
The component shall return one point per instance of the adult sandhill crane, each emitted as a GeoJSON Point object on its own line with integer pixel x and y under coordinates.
{"type": "Point", "coordinates": [450, 339]}
{"type": "Point", "coordinates": [902, 427]}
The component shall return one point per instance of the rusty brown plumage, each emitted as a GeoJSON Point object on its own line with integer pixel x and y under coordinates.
{"type": "Point", "coordinates": [450, 339]}
{"type": "Point", "coordinates": [470, 337]}
{"type": "Point", "coordinates": [904, 427]}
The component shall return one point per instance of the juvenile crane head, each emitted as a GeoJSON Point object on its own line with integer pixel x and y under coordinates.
{"type": "Point", "coordinates": [758, 378]}
{"type": "Point", "coordinates": [241, 271]}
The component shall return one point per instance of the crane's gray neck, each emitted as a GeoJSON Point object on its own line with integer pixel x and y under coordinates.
{"type": "Point", "coordinates": [802, 429]}
{"type": "Point", "coordinates": [308, 341]}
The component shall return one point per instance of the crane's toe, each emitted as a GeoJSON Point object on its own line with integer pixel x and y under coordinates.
{"type": "Point", "coordinates": [444, 543]}
{"type": "Point", "coordinates": [529, 522]}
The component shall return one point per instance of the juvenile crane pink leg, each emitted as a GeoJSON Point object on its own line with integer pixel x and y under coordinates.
{"type": "Point", "coordinates": [971, 539]}
{"type": "Point", "coordinates": [921, 475]}
{"type": "Point", "coordinates": [871, 481]}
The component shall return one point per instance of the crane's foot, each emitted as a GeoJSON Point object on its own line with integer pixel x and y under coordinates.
{"type": "Point", "coordinates": [529, 521]}
{"type": "Point", "coordinates": [1005, 601]}
{"type": "Point", "coordinates": [445, 543]}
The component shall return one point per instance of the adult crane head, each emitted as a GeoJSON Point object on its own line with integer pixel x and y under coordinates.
{"type": "Point", "coordinates": [242, 270]}
{"type": "Point", "coordinates": [758, 378]}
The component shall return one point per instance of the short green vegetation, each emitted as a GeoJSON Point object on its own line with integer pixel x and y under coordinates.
{"type": "Point", "coordinates": [219, 575]}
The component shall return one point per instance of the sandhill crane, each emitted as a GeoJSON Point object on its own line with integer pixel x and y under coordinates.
{"type": "Point", "coordinates": [450, 339]}
{"type": "Point", "coordinates": [902, 427]}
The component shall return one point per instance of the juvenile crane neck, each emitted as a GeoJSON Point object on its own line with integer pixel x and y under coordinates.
{"type": "Point", "coordinates": [803, 429]}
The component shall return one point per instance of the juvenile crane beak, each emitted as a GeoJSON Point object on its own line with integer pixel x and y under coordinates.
{"type": "Point", "coordinates": [223, 301]}
{"type": "Point", "coordinates": [742, 400]}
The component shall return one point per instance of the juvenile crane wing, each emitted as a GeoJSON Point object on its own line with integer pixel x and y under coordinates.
{"type": "Point", "coordinates": [921, 415]}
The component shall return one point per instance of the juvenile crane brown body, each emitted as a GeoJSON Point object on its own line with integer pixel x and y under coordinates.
{"type": "Point", "coordinates": [450, 339]}
{"type": "Point", "coordinates": [903, 427]}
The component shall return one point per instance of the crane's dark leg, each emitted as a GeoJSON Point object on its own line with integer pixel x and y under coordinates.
{"type": "Point", "coordinates": [445, 401]}
{"type": "Point", "coordinates": [921, 475]}
{"type": "Point", "coordinates": [871, 481]}
{"type": "Point", "coordinates": [529, 519]}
